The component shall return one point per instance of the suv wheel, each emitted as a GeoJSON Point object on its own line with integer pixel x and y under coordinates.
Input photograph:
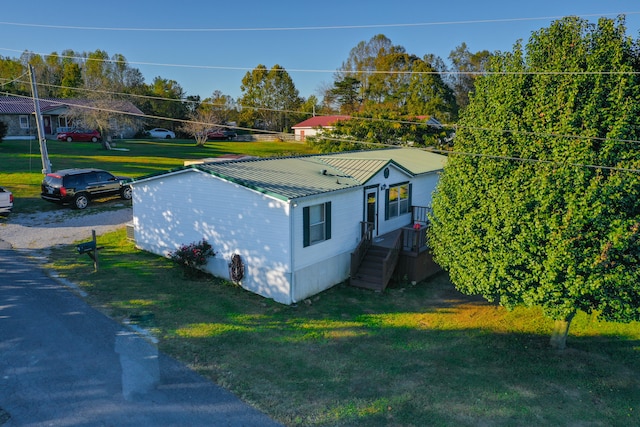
{"type": "Point", "coordinates": [126, 193]}
{"type": "Point", "coordinates": [80, 201]}
{"type": "Point", "coordinates": [94, 139]}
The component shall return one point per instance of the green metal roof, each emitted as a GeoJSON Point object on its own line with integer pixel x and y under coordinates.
{"type": "Point", "coordinates": [413, 160]}
{"type": "Point", "coordinates": [285, 178]}
{"type": "Point", "coordinates": [360, 169]}
{"type": "Point", "coordinates": [291, 178]}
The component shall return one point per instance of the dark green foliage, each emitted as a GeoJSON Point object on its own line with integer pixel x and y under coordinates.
{"type": "Point", "coordinates": [550, 232]}
{"type": "Point", "coordinates": [345, 93]}
{"type": "Point", "coordinates": [375, 129]}
{"type": "Point", "coordinates": [3, 130]}
{"type": "Point", "coordinates": [268, 96]}
{"type": "Point", "coordinates": [378, 73]}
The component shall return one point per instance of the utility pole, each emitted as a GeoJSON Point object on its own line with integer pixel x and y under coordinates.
{"type": "Point", "coordinates": [46, 164]}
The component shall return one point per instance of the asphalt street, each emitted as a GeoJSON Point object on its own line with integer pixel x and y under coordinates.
{"type": "Point", "coordinates": [63, 363]}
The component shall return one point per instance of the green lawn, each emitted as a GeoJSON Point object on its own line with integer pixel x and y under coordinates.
{"type": "Point", "coordinates": [414, 355]}
{"type": "Point", "coordinates": [21, 164]}
{"type": "Point", "coordinates": [411, 356]}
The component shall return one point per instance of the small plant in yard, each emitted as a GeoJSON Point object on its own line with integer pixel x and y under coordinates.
{"type": "Point", "coordinates": [193, 256]}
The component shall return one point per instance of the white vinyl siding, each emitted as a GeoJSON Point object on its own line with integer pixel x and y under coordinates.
{"type": "Point", "coordinates": [186, 207]}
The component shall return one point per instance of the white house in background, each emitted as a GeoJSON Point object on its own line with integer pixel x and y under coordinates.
{"type": "Point", "coordinates": [315, 125]}
{"type": "Point", "coordinates": [294, 221]}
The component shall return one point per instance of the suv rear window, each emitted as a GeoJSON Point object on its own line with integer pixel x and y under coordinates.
{"type": "Point", "coordinates": [54, 181]}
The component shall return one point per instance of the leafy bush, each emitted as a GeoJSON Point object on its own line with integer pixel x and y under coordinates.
{"type": "Point", "coordinates": [193, 256]}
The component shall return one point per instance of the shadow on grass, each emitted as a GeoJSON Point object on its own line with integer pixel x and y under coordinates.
{"type": "Point", "coordinates": [411, 356]}
{"type": "Point", "coordinates": [426, 355]}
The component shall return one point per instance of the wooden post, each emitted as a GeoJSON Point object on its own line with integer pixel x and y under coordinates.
{"type": "Point", "coordinates": [95, 251]}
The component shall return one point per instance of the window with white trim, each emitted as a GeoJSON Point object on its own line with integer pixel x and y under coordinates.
{"type": "Point", "coordinates": [317, 223]}
{"type": "Point", "coordinates": [398, 200]}
{"type": "Point", "coordinates": [24, 122]}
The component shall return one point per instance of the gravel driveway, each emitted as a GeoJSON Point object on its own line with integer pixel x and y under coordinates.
{"type": "Point", "coordinates": [64, 226]}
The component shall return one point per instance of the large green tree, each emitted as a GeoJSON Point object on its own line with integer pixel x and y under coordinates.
{"type": "Point", "coordinates": [379, 72]}
{"type": "Point", "coordinates": [466, 68]}
{"type": "Point", "coordinates": [345, 94]}
{"type": "Point", "coordinates": [167, 101]}
{"type": "Point", "coordinates": [268, 98]}
{"type": "Point", "coordinates": [390, 94]}
{"type": "Point", "coordinates": [539, 204]}
{"type": "Point", "coordinates": [10, 70]}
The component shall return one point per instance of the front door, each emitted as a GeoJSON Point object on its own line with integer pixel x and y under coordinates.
{"type": "Point", "coordinates": [372, 207]}
{"type": "Point", "coordinates": [47, 124]}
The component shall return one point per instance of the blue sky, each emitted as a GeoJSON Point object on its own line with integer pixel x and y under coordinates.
{"type": "Point", "coordinates": [207, 46]}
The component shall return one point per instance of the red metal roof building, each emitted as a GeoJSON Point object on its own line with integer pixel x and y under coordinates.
{"type": "Point", "coordinates": [312, 126]}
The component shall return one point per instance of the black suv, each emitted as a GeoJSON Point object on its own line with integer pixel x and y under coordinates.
{"type": "Point", "coordinates": [78, 186]}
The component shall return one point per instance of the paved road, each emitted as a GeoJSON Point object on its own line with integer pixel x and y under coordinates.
{"type": "Point", "coordinates": [63, 363]}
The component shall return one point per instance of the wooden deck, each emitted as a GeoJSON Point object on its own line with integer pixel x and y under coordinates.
{"type": "Point", "coordinates": [386, 241]}
{"type": "Point", "coordinates": [414, 262]}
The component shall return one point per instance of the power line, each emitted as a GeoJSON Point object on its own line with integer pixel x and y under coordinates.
{"type": "Point", "coordinates": [360, 142]}
{"type": "Point", "coordinates": [492, 156]}
{"type": "Point", "coordinates": [452, 126]}
{"type": "Point", "coordinates": [306, 70]}
{"type": "Point", "coordinates": [309, 28]}
{"type": "Point", "coordinates": [143, 115]}
{"type": "Point", "coordinates": [17, 79]}
{"type": "Point", "coordinates": [160, 98]}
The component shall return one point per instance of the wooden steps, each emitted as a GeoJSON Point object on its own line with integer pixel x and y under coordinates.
{"type": "Point", "coordinates": [370, 272]}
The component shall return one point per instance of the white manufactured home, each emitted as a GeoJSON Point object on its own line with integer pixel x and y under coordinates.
{"type": "Point", "coordinates": [298, 224]}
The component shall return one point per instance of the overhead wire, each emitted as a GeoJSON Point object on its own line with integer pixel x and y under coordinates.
{"type": "Point", "coordinates": [492, 156]}
{"type": "Point", "coordinates": [17, 79]}
{"type": "Point", "coordinates": [362, 142]}
{"type": "Point", "coordinates": [369, 143]}
{"type": "Point", "coordinates": [452, 126]}
{"type": "Point", "coordinates": [308, 28]}
{"type": "Point", "coordinates": [306, 70]}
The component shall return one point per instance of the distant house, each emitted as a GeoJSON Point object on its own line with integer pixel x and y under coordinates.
{"type": "Point", "coordinates": [315, 125]}
{"type": "Point", "coordinates": [298, 224]}
{"type": "Point", "coordinates": [18, 114]}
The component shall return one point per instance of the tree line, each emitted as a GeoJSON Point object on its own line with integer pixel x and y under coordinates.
{"type": "Point", "coordinates": [379, 80]}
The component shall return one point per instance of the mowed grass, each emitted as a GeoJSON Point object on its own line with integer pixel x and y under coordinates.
{"type": "Point", "coordinates": [21, 163]}
{"type": "Point", "coordinates": [414, 355]}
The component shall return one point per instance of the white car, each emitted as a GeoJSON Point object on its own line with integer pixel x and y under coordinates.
{"type": "Point", "coordinates": [161, 133]}
{"type": "Point", "coordinates": [6, 200]}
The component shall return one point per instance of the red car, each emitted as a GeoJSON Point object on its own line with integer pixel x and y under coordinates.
{"type": "Point", "coordinates": [221, 134]}
{"type": "Point", "coordinates": [80, 135]}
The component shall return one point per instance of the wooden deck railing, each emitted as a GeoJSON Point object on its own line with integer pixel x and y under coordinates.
{"type": "Point", "coordinates": [420, 215]}
{"type": "Point", "coordinates": [415, 236]}
{"type": "Point", "coordinates": [414, 239]}
{"type": "Point", "coordinates": [358, 254]}
{"type": "Point", "coordinates": [390, 261]}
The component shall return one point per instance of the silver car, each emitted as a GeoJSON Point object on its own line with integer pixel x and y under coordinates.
{"type": "Point", "coordinates": [161, 133]}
